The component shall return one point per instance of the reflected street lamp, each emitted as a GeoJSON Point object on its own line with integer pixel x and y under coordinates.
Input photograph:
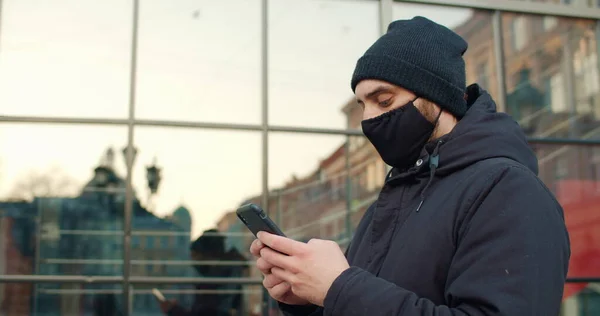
{"type": "Point", "coordinates": [135, 151]}
{"type": "Point", "coordinates": [153, 176]}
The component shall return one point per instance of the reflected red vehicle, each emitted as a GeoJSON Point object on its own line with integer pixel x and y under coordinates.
{"type": "Point", "coordinates": [581, 202]}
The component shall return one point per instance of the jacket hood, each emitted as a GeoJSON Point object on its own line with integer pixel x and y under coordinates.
{"type": "Point", "coordinates": [484, 133]}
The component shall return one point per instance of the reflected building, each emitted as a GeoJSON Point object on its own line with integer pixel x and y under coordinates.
{"type": "Point", "coordinates": [83, 235]}
{"type": "Point", "coordinates": [540, 53]}
{"type": "Point", "coordinates": [17, 243]}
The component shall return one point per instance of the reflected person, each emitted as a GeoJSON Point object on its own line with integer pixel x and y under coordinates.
{"type": "Point", "coordinates": [211, 247]}
{"type": "Point", "coordinates": [105, 305]}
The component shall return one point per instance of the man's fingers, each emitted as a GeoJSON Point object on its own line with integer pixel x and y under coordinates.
{"type": "Point", "coordinates": [255, 248]}
{"type": "Point", "coordinates": [284, 275]}
{"type": "Point", "coordinates": [271, 281]}
{"type": "Point", "coordinates": [277, 259]}
{"type": "Point", "coordinates": [279, 291]}
{"type": "Point", "coordinates": [263, 266]}
{"type": "Point", "coordinates": [282, 244]}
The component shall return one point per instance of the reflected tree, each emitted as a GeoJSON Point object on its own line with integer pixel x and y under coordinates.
{"type": "Point", "coordinates": [50, 183]}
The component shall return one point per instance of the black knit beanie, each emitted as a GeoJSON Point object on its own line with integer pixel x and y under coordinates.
{"type": "Point", "coordinates": [421, 56]}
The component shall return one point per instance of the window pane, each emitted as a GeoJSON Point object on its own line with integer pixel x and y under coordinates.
{"type": "Point", "coordinates": [61, 199]}
{"type": "Point", "coordinates": [204, 298]}
{"type": "Point", "coordinates": [552, 80]}
{"type": "Point", "coordinates": [312, 58]}
{"type": "Point", "coordinates": [585, 303]}
{"type": "Point", "coordinates": [65, 58]}
{"type": "Point", "coordinates": [199, 61]}
{"type": "Point", "coordinates": [202, 176]}
{"type": "Point", "coordinates": [475, 26]}
{"type": "Point", "coordinates": [573, 174]}
{"type": "Point", "coordinates": [574, 3]}
{"type": "Point", "coordinates": [60, 299]}
{"type": "Point", "coordinates": [310, 194]}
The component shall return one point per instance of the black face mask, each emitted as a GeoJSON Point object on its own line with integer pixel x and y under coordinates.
{"type": "Point", "coordinates": [399, 135]}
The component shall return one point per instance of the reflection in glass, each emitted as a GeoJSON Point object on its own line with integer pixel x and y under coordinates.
{"type": "Point", "coordinates": [209, 256]}
{"type": "Point", "coordinates": [570, 172]}
{"type": "Point", "coordinates": [199, 61]}
{"type": "Point", "coordinates": [65, 58]}
{"type": "Point", "coordinates": [551, 69]}
{"type": "Point", "coordinates": [189, 184]}
{"type": "Point", "coordinates": [62, 200]}
{"type": "Point", "coordinates": [203, 175]}
{"type": "Point", "coordinates": [60, 299]}
{"type": "Point", "coordinates": [312, 59]}
{"type": "Point", "coordinates": [321, 201]}
{"type": "Point", "coordinates": [213, 260]}
{"type": "Point", "coordinates": [144, 303]}
{"type": "Point", "coordinates": [62, 188]}
{"type": "Point", "coordinates": [475, 26]}
{"type": "Point", "coordinates": [585, 303]}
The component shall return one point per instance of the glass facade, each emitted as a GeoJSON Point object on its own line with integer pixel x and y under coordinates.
{"type": "Point", "coordinates": [130, 131]}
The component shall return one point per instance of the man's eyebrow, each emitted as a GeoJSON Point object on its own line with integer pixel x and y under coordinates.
{"type": "Point", "coordinates": [376, 91]}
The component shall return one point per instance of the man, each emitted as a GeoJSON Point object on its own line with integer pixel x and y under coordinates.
{"type": "Point", "coordinates": [462, 225]}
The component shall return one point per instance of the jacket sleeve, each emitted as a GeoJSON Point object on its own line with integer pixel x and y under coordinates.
{"type": "Point", "coordinates": [511, 258]}
{"type": "Point", "coordinates": [313, 310]}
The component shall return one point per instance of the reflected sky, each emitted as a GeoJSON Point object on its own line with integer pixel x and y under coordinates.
{"type": "Point", "coordinates": [198, 61]}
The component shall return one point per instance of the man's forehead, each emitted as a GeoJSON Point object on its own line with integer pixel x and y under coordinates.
{"type": "Point", "coordinates": [367, 88]}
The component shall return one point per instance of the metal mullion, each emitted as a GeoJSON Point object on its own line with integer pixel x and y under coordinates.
{"type": "Point", "coordinates": [62, 120]}
{"type": "Point", "coordinates": [204, 125]}
{"type": "Point", "coordinates": [119, 279]}
{"type": "Point", "coordinates": [525, 7]}
{"type": "Point", "coordinates": [264, 30]}
{"type": "Point", "coordinates": [181, 124]}
{"type": "Point", "coordinates": [168, 280]}
{"type": "Point", "coordinates": [564, 141]}
{"type": "Point", "coordinates": [386, 15]}
{"type": "Point", "coordinates": [315, 130]}
{"type": "Point", "coordinates": [128, 210]}
{"type": "Point", "coordinates": [1, 20]}
{"type": "Point", "coordinates": [498, 35]}
{"type": "Point", "coordinates": [147, 262]}
{"type": "Point", "coordinates": [17, 278]}
{"type": "Point", "coordinates": [265, 102]}
{"type": "Point", "coordinates": [270, 128]}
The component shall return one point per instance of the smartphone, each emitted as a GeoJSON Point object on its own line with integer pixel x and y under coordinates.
{"type": "Point", "coordinates": [257, 220]}
{"type": "Point", "coordinates": [159, 296]}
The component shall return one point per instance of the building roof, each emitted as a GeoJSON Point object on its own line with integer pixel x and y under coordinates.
{"type": "Point", "coordinates": [339, 152]}
{"type": "Point", "coordinates": [181, 211]}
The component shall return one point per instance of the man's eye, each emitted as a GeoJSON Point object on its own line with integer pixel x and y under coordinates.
{"type": "Point", "coordinates": [385, 103]}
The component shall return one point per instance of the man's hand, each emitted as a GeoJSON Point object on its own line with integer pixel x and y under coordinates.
{"type": "Point", "coordinates": [309, 268]}
{"type": "Point", "coordinates": [165, 306]}
{"type": "Point", "coordinates": [277, 288]}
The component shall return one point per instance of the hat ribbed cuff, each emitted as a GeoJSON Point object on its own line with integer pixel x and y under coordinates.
{"type": "Point", "coordinates": [414, 78]}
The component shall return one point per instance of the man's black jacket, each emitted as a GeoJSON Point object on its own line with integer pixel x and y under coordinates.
{"type": "Point", "coordinates": [488, 238]}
